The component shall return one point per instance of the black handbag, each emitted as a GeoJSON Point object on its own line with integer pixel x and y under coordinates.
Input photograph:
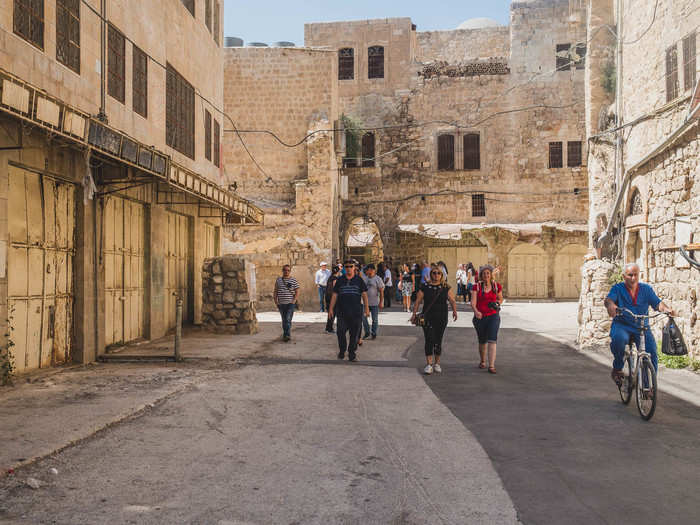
{"type": "Point", "coordinates": [672, 342]}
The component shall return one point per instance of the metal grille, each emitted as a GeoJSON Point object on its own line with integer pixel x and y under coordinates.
{"type": "Point", "coordinates": [29, 21]}
{"type": "Point", "coordinates": [581, 53]}
{"type": "Point", "coordinates": [368, 150]}
{"type": "Point", "coordinates": [446, 152]}
{"type": "Point", "coordinates": [68, 33]}
{"type": "Point", "coordinates": [207, 14]}
{"type": "Point", "coordinates": [636, 207]}
{"type": "Point", "coordinates": [472, 154]}
{"type": "Point", "coordinates": [116, 50]}
{"type": "Point", "coordinates": [563, 57]}
{"type": "Point", "coordinates": [217, 30]}
{"type": "Point", "coordinates": [478, 205]}
{"type": "Point", "coordinates": [189, 4]}
{"type": "Point", "coordinates": [573, 154]}
{"type": "Point", "coordinates": [375, 67]}
{"type": "Point", "coordinates": [207, 135]}
{"type": "Point", "coordinates": [140, 82]}
{"type": "Point", "coordinates": [672, 87]}
{"type": "Point", "coordinates": [346, 63]}
{"type": "Point", "coordinates": [689, 61]}
{"type": "Point", "coordinates": [217, 145]}
{"type": "Point", "coordinates": [555, 155]}
{"type": "Point", "coordinates": [179, 113]}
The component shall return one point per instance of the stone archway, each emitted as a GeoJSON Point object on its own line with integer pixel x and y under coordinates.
{"type": "Point", "coordinates": [362, 240]}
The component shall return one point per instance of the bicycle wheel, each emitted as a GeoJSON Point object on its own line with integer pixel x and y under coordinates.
{"type": "Point", "coordinates": [646, 389]}
{"type": "Point", "coordinates": [627, 382]}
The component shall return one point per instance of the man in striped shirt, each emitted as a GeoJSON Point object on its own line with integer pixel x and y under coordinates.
{"type": "Point", "coordinates": [286, 295]}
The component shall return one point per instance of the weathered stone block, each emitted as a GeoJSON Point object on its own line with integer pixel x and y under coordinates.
{"type": "Point", "coordinates": [218, 279]}
{"type": "Point", "coordinates": [218, 315]}
{"type": "Point", "coordinates": [230, 263]}
{"type": "Point", "coordinates": [231, 284]}
{"type": "Point", "coordinates": [229, 296]}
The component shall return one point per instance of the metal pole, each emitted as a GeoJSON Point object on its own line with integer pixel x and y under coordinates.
{"type": "Point", "coordinates": [178, 328]}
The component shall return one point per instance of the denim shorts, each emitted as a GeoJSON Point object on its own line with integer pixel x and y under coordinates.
{"type": "Point", "coordinates": [487, 328]}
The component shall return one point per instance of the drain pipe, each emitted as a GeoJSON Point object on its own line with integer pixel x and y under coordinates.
{"type": "Point", "coordinates": [102, 115]}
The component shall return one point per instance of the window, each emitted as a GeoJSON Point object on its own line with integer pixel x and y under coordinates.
{"type": "Point", "coordinates": [375, 62]}
{"type": "Point", "coordinates": [207, 14]}
{"type": "Point", "coordinates": [478, 205]}
{"type": "Point", "coordinates": [140, 82]}
{"type": "Point", "coordinates": [68, 33]}
{"type": "Point", "coordinates": [179, 113]}
{"type": "Point", "coordinates": [346, 63]}
{"type": "Point", "coordinates": [368, 150]}
{"type": "Point", "coordinates": [573, 154]}
{"type": "Point", "coordinates": [636, 206]}
{"type": "Point", "coordinates": [689, 61]}
{"type": "Point", "coordinates": [555, 155]}
{"type": "Point", "coordinates": [217, 12]}
{"type": "Point", "coordinates": [217, 144]}
{"type": "Point", "coordinates": [563, 57]}
{"type": "Point", "coordinates": [115, 64]}
{"type": "Point", "coordinates": [472, 155]}
{"type": "Point", "coordinates": [189, 4]}
{"type": "Point", "coordinates": [580, 51]}
{"type": "Point", "coordinates": [29, 21]}
{"type": "Point", "coordinates": [207, 135]}
{"type": "Point", "coordinates": [671, 73]}
{"type": "Point", "coordinates": [446, 152]}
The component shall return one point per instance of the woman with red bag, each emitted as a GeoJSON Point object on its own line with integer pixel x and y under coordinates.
{"type": "Point", "coordinates": [487, 297]}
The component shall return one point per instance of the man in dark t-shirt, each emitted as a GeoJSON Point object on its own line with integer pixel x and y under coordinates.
{"type": "Point", "coordinates": [349, 303]}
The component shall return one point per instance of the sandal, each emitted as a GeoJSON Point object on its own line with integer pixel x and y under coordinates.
{"type": "Point", "coordinates": [492, 370]}
{"type": "Point", "coordinates": [482, 365]}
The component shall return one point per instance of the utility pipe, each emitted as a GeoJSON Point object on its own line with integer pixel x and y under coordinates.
{"type": "Point", "coordinates": [102, 115]}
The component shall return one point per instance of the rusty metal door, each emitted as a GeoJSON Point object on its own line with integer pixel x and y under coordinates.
{"type": "Point", "coordinates": [124, 255]}
{"type": "Point", "coordinates": [177, 265]}
{"type": "Point", "coordinates": [40, 268]}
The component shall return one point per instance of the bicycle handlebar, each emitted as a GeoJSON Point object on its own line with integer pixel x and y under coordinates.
{"type": "Point", "coordinates": [621, 310]}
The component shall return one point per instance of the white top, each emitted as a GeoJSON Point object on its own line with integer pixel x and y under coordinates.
{"type": "Point", "coordinates": [461, 277]}
{"type": "Point", "coordinates": [387, 277]}
{"type": "Point", "coordinates": [322, 277]}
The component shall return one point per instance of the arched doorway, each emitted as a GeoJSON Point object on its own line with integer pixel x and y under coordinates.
{"type": "Point", "coordinates": [527, 271]}
{"type": "Point", "coordinates": [567, 271]}
{"type": "Point", "coordinates": [363, 241]}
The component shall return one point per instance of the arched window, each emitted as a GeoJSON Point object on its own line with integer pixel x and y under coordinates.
{"type": "Point", "coordinates": [375, 64]}
{"type": "Point", "coordinates": [636, 207]}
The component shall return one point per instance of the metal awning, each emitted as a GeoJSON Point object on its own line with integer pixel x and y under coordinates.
{"type": "Point", "coordinates": [174, 183]}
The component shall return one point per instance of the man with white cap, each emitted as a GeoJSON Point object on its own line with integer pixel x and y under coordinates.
{"type": "Point", "coordinates": [322, 276]}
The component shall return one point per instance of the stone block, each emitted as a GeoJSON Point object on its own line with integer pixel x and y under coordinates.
{"type": "Point", "coordinates": [218, 279]}
{"type": "Point", "coordinates": [216, 268]}
{"type": "Point", "coordinates": [229, 297]}
{"type": "Point", "coordinates": [230, 263]}
{"type": "Point", "coordinates": [228, 322]}
{"type": "Point", "coordinates": [218, 315]}
{"type": "Point", "coordinates": [230, 284]}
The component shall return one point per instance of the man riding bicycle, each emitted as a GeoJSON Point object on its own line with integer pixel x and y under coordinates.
{"type": "Point", "coordinates": [636, 297]}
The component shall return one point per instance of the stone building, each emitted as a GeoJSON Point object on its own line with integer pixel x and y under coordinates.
{"type": "Point", "coordinates": [460, 145]}
{"type": "Point", "coordinates": [110, 171]}
{"type": "Point", "coordinates": [644, 178]}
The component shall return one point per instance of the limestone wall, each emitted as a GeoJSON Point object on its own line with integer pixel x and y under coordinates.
{"type": "Point", "coordinates": [463, 44]}
{"type": "Point", "coordinates": [226, 304]}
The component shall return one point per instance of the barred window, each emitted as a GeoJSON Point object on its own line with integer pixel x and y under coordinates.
{"type": "Point", "coordinates": [478, 205]}
{"type": "Point", "coordinates": [207, 135]}
{"type": "Point", "coordinates": [207, 14]}
{"type": "Point", "coordinates": [636, 206]}
{"type": "Point", "coordinates": [368, 150]}
{"type": "Point", "coordinates": [446, 152]}
{"type": "Point", "coordinates": [346, 63]}
{"type": "Point", "coordinates": [376, 62]}
{"type": "Point", "coordinates": [563, 57]}
{"type": "Point", "coordinates": [581, 54]}
{"type": "Point", "coordinates": [116, 50]}
{"type": "Point", "coordinates": [555, 155]}
{"type": "Point", "coordinates": [689, 61]}
{"type": "Point", "coordinates": [217, 144]}
{"type": "Point", "coordinates": [28, 21]}
{"type": "Point", "coordinates": [672, 87]}
{"type": "Point", "coordinates": [179, 113]}
{"type": "Point", "coordinates": [68, 33]}
{"type": "Point", "coordinates": [472, 154]}
{"type": "Point", "coordinates": [189, 4]}
{"type": "Point", "coordinates": [217, 12]}
{"type": "Point", "coordinates": [140, 82]}
{"type": "Point", "coordinates": [573, 154]}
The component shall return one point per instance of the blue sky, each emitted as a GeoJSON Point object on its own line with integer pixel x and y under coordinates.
{"type": "Point", "coordinates": [275, 20]}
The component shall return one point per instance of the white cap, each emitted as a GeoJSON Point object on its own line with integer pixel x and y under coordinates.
{"type": "Point", "coordinates": [324, 263]}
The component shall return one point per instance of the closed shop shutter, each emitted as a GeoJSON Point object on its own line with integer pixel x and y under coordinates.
{"type": "Point", "coordinates": [567, 271]}
{"type": "Point", "coordinates": [211, 239]}
{"type": "Point", "coordinates": [452, 256]}
{"type": "Point", "coordinates": [177, 268]}
{"type": "Point", "coordinates": [527, 272]}
{"type": "Point", "coordinates": [40, 268]}
{"type": "Point", "coordinates": [124, 255]}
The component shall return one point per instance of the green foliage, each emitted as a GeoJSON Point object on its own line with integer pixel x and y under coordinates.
{"type": "Point", "coordinates": [353, 135]}
{"type": "Point", "coordinates": [7, 360]}
{"type": "Point", "coordinates": [616, 275]}
{"type": "Point", "coordinates": [609, 78]}
{"type": "Point", "coordinates": [677, 361]}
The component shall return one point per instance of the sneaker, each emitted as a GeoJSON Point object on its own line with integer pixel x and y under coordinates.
{"type": "Point", "coordinates": [352, 358]}
{"type": "Point", "coordinates": [286, 338]}
{"type": "Point", "coordinates": [618, 376]}
{"type": "Point", "coordinates": [437, 368]}
{"type": "Point", "coordinates": [341, 355]}
{"type": "Point", "coordinates": [330, 331]}
{"type": "Point", "coordinates": [374, 336]}
{"type": "Point", "coordinates": [428, 370]}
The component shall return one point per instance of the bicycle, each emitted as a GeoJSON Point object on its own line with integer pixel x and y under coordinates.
{"type": "Point", "coordinates": [639, 372]}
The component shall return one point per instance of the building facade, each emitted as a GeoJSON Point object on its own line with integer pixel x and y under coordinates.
{"type": "Point", "coordinates": [110, 171]}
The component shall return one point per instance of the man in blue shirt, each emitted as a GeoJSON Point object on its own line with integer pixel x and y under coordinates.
{"type": "Point", "coordinates": [425, 273]}
{"type": "Point", "coordinates": [349, 302]}
{"type": "Point", "coordinates": [636, 297]}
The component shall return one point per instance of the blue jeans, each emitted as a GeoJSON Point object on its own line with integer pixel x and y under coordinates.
{"type": "Point", "coordinates": [322, 297]}
{"type": "Point", "coordinates": [374, 310]}
{"type": "Point", "coordinates": [287, 312]}
{"type": "Point", "coordinates": [619, 337]}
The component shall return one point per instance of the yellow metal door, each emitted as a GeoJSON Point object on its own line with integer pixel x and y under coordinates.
{"type": "Point", "coordinates": [453, 256]}
{"type": "Point", "coordinates": [567, 271]}
{"type": "Point", "coordinates": [177, 281]}
{"type": "Point", "coordinates": [527, 272]}
{"type": "Point", "coordinates": [211, 238]}
{"type": "Point", "coordinates": [124, 257]}
{"type": "Point", "coordinates": [40, 268]}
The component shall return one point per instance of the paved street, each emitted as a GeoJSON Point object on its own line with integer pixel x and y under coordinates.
{"type": "Point", "coordinates": [268, 432]}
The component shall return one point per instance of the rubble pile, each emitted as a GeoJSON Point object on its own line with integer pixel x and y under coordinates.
{"type": "Point", "coordinates": [226, 303]}
{"type": "Point", "coordinates": [469, 69]}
